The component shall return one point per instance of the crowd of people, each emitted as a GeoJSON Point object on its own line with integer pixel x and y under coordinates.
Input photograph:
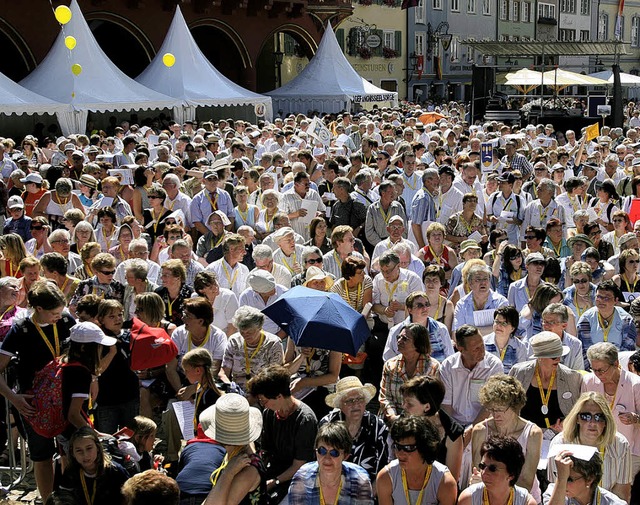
{"type": "Point", "coordinates": [501, 295]}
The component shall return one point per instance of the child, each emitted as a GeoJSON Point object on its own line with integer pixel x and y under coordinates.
{"type": "Point", "coordinates": [91, 477]}
{"type": "Point", "coordinates": [197, 365]}
{"type": "Point", "coordinates": [140, 443]}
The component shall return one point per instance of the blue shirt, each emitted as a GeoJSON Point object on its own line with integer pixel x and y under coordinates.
{"type": "Point", "coordinates": [201, 206]}
{"type": "Point", "coordinates": [516, 351]}
{"type": "Point", "coordinates": [463, 313]}
{"type": "Point", "coordinates": [423, 207]}
{"type": "Point", "coordinates": [356, 487]}
{"type": "Point", "coordinates": [441, 344]}
{"type": "Point", "coordinates": [518, 294]}
{"type": "Point", "coordinates": [197, 461]}
{"type": "Point", "coordinates": [20, 226]}
{"type": "Point", "coordinates": [622, 331]}
{"type": "Point", "coordinates": [569, 298]}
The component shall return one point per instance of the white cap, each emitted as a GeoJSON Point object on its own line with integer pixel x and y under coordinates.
{"type": "Point", "coordinates": [86, 333]}
{"type": "Point", "coordinates": [15, 202]}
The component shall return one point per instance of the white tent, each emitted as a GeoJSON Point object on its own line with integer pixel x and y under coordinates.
{"type": "Point", "coordinates": [15, 99]}
{"type": "Point", "coordinates": [193, 78]}
{"type": "Point", "coordinates": [100, 87]}
{"type": "Point", "coordinates": [625, 79]}
{"type": "Point", "coordinates": [328, 83]}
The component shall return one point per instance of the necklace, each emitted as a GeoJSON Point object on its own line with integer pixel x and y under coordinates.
{"type": "Point", "coordinates": [405, 485]}
{"type": "Point", "coordinates": [322, 500]}
{"type": "Point", "coordinates": [485, 497]}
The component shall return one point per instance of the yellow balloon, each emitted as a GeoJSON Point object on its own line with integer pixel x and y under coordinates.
{"type": "Point", "coordinates": [63, 14]}
{"type": "Point", "coordinates": [76, 69]}
{"type": "Point", "coordinates": [169, 59]}
{"type": "Point", "coordinates": [70, 42]}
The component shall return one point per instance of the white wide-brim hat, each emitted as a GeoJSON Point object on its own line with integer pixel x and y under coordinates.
{"type": "Point", "coordinates": [231, 421]}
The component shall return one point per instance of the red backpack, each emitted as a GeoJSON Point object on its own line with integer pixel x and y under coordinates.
{"type": "Point", "coordinates": [49, 420]}
{"type": "Point", "coordinates": [150, 347]}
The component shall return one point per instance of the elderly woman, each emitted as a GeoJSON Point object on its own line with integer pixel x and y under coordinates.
{"type": "Point", "coordinates": [578, 482]}
{"type": "Point", "coordinates": [82, 234]}
{"type": "Point", "coordinates": [264, 224]}
{"type": "Point", "coordinates": [415, 476]}
{"type": "Point", "coordinates": [54, 204]}
{"type": "Point", "coordinates": [414, 360]}
{"type": "Point", "coordinates": [501, 463]}
{"type": "Point", "coordinates": [89, 251]}
{"type": "Point", "coordinates": [436, 252]}
{"type": "Point", "coordinates": [368, 432]}
{"type": "Point", "coordinates": [478, 307]}
{"type": "Point", "coordinates": [102, 282]}
{"type": "Point", "coordinates": [628, 279]}
{"type": "Point", "coordinates": [39, 243]}
{"type": "Point", "coordinates": [581, 295]}
{"type": "Point", "coordinates": [331, 477]}
{"type": "Point", "coordinates": [422, 396]}
{"type": "Point", "coordinates": [136, 275]}
{"type": "Point", "coordinates": [174, 289]}
{"type": "Point", "coordinates": [462, 224]}
{"type": "Point", "coordinates": [224, 301]}
{"type": "Point", "coordinates": [621, 389]}
{"type": "Point", "coordinates": [551, 388]}
{"type": "Point", "coordinates": [250, 349]}
{"type": "Point", "coordinates": [503, 397]}
{"type": "Point", "coordinates": [503, 342]}
{"type": "Point", "coordinates": [590, 422]}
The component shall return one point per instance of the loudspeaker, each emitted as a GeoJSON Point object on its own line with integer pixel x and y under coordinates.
{"type": "Point", "coordinates": [483, 82]}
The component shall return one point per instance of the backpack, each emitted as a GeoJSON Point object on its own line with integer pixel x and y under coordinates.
{"type": "Point", "coordinates": [49, 420]}
{"type": "Point", "coordinates": [518, 198]}
{"type": "Point", "coordinates": [150, 347]}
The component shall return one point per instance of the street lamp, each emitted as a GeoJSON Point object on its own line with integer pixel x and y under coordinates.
{"type": "Point", "coordinates": [278, 56]}
{"type": "Point", "coordinates": [441, 32]}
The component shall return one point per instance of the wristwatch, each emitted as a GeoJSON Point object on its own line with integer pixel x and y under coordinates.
{"type": "Point", "coordinates": [277, 481]}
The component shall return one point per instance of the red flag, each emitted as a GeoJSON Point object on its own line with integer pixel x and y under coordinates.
{"type": "Point", "coordinates": [420, 66]}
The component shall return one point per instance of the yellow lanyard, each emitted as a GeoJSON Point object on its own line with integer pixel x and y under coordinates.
{"type": "Point", "coordinates": [424, 485]}
{"type": "Point", "coordinates": [437, 314]}
{"type": "Point", "coordinates": [214, 202]}
{"type": "Point", "coordinates": [11, 269]}
{"type": "Point", "coordinates": [268, 223]}
{"type": "Point", "coordinates": [605, 329]}
{"type": "Point", "coordinates": [216, 473]}
{"type": "Point", "coordinates": [503, 353]}
{"type": "Point", "coordinates": [575, 204]}
{"type": "Point", "coordinates": [199, 395]}
{"type": "Point", "coordinates": [86, 491]}
{"type": "Point", "coordinates": [11, 307]}
{"type": "Point", "coordinates": [335, 502]}
{"type": "Point", "coordinates": [286, 263]}
{"type": "Point", "coordinates": [385, 216]}
{"type": "Point", "coordinates": [556, 249]}
{"type": "Point", "coordinates": [206, 339]}
{"type": "Point", "coordinates": [505, 206]}
{"type": "Point", "coordinates": [247, 358]}
{"type": "Point", "coordinates": [213, 246]}
{"type": "Point", "coordinates": [544, 396]}
{"type": "Point", "coordinates": [391, 291]}
{"type": "Point", "coordinates": [575, 302]}
{"type": "Point", "coordinates": [485, 497]}
{"type": "Point", "coordinates": [516, 275]}
{"type": "Point", "coordinates": [61, 205]}
{"type": "Point", "coordinates": [465, 224]}
{"type": "Point", "coordinates": [358, 293]}
{"type": "Point", "coordinates": [543, 217]}
{"type": "Point", "coordinates": [107, 242]}
{"type": "Point", "coordinates": [436, 258]}
{"type": "Point", "coordinates": [170, 303]}
{"type": "Point", "coordinates": [307, 366]}
{"type": "Point", "coordinates": [170, 207]}
{"type": "Point", "coordinates": [230, 280]}
{"type": "Point", "coordinates": [624, 278]}
{"type": "Point", "coordinates": [156, 221]}
{"type": "Point", "coordinates": [415, 184]}
{"type": "Point", "coordinates": [245, 215]}
{"type": "Point", "coordinates": [55, 352]}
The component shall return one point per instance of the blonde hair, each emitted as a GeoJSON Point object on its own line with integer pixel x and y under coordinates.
{"type": "Point", "coordinates": [571, 428]}
{"type": "Point", "coordinates": [13, 248]}
{"type": "Point", "coordinates": [465, 270]}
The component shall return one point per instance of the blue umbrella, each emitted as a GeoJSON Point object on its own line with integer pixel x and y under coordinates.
{"type": "Point", "coordinates": [318, 319]}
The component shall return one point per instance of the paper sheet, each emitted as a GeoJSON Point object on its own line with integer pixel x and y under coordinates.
{"type": "Point", "coordinates": [629, 297]}
{"type": "Point", "coordinates": [505, 215]}
{"type": "Point", "coordinates": [105, 202]}
{"type": "Point", "coordinates": [583, 452]}
{"type": "Point", "coordinates": [184, 413]}
{"type": "Point", "coordinates": [311, 207]}
{"type": "Point", "coordinates": [124, 174]}
{"type": "Point", "coordinates": [476, 235]}
{"type": "Point", "coordinates": [483, 317]}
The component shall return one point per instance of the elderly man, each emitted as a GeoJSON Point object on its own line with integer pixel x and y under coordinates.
{"type": "Point", "coordinates": [281, 220]}
{"type": "Point", "coordinates": [137, 282]}
{"type": "Point", "coordinates": [263, 259]}
{"type": "Point", "coordinates": [380, 212]}
{"type": "Point", "coordinates": [211, 198]}
{"type": "Point", "coordinates": [261, 292]}
{"type": "Point", "coordinates": [292, 203]}
{"type": "Point", "coordinates": [606, 322]}
{"type": "Point", "coordinates": [396, 229]}
{"type": "Point", "coordinates": [363, 192]}
{"type": "Point", "coordinates": [540, 211]}
{"type": "Point", "coordinates": [516, 161]}
{"type": "Point", "coordinates": [232, 274]}
{"type": "Point", "coordinates": [180, 250]}
{"type": "Point", "coordinates": [392, 287]}
{"type": "Point", "coordinates": [463, 374]}
{"type": "Point", "coordinates": [60, 241]}
{"type": "Point", "coordinates": [289, 253]}
{"type": "Point", "coordinates": [138, 249]}
{"type": "Point", "coordinates": [176, 199]}
{"type": "Point", "coordinates": [423, 206]}
{"type": "Point", "coordinates": [347, 210]}
{"type": "Point", "coordinates": [408, 260]}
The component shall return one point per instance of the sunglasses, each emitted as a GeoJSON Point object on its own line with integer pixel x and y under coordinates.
{"type": "Point", "coordinates": [633, 261]}
{"type": "Point", "coordinates": [529, 237]}
{"type": "Point", "coordinates": [492, 467]}
{"type": "Point", "coordinates": [314, 261]}
{"type": "Point", "coordinates": [108, 272]}
{"type": "Point", "coordinates": [574, 479]}
{"type": "Point", "coordinates": [588, 416]}
{"type": "Point", "coordinates": [323, 451]}
{"type": "Point", "coordinates": [37, 228]}
{"type": "Point", "coordinates": [405, 447]}
{"type": "Point", "coordinates": [581, 281]}
{"type": "Point", "coordinates": [422, 305]}
{"type": "Point", "coordinates": [154, 197]}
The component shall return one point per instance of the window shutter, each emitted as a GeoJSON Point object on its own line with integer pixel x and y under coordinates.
{"type": "Point", "coordinates": [340, 38]}
{"type": "Point", "coordinates": [353, 41]}
{"type": "Point", "coordinates": [398, 47]}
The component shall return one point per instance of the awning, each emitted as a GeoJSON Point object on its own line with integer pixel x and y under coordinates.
{"type": "Point", "coordinates": [550, 48]}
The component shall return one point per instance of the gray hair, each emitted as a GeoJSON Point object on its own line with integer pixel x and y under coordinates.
{"type": "Point", "coordinates": [262, 252]}
{"type": "Point", "coordinates": [64, 186]}
{"type": "Point", "coordinates": [611, 157]}
{"type": "Point", "coordinates": [58, 234]}
{"type": "Point", "coordinates": [308, 251]}
{"type": "Point", "coordinates": [603, 351]}
{"type": "Point", "coordinates": [9, 281]}
{"type": "Point", "coordinates": [82, 226]}
{"type": "Point", "coordinates": [247, 317]}
{"type": "Point", "coordinates": [342, 182]}
{"type": "Point", "coordinates": [163, 149]}
{"type": "Point", "coordinates": [580, 214]}
{"type": "Point", "coordinates": [388, 257]}
{"type": "Point", "coordinates": [546, 184]}
{"type": "Point", "coordinates": [172, 178]}
{"type": "Point", "coordinates": [298, 166]}
{"type": "Point", "coordinates": [476, 270]}
{"type": "Point", "coordinates": [180, 243]}
{"type": "Point", "coordinates": [362, 176]}
{"type": "Point", "coordinates": [137, 242]}
{"type": "Point", "coordinates": [429, 173]}
{"type": "Point", "coordinates": [557, 309]}
{"type": "Point", "coordinates": [138, 268]}
{"type": "Point", "coordinates": [401, 248]}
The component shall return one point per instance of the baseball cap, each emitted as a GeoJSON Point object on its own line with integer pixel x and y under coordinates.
{"type": "Point", "coordinates": [15, 202]}
{"type": "Point", "coordinates": [37, 178]}
{"type": "Point", "coordinates": [87, 333]}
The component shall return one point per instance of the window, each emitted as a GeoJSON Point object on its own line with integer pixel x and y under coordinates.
{"type": "Point", "coordinates": [419, 40]}
{"type": "Point", "coordinates": [546, 11]}
{"type": "Point", "coordinates": [437, 5]}
{"type": "Point", "coordinates": [526, 12]}
{"type": "Point", "coordinates": [585, 7]}
{"type": "Point", "coordinates": [515, 11]}
{"type": "Point", "coordinates": [620, 28]}
{"type": "Point", "coordinates": [471, 54]}
{"type": "Point", "coordinates": [603, 27]}
{"type": "Point", "coordinates": [504, 10]}
{"type": "Point", "coordinates": [389, 39]}
{"type": "Point", "coordinates": [455, 5]}
{"type": "Point", "coordinates": [471, 6]}
{"type": "Point", "coordinates": [568, 6]}
{"type": "Point", "coordinates": [453, 50]}
{"type": "Point", "coordinates": [419, 12]}
{"type": "Point", "coordinates": [635, 29]}
{"type": "Point", "coordinates": [584, 36]}
{"type": "Point", "coordinates": [504, 38]}
{"type": "Point", "coordinates": [567, 35]}
{"type": "Point", "coordinates": [486, 7]}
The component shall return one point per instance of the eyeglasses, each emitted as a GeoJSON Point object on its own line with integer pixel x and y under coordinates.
{"type": "Point", "coordinates": [574, 479]}
{"type": "Point", "coordinates": [550, 323]}
{"type": "Point", "coordinates": [354, 401]}
{"type": "Point", "coordinates": [108, 272]}
{"type": "Point", "coordinates": [580, 281]}
{"type": "Point", "coordinates": [529, 237]}
{"type": "Point", "coordinates": [62, 241]}
{"type": "Point", "coordinates": [420, 305]}
{"type": "Point", "coordinates": [633, 261]}
{"type": "Point", "coordinates": [604, 298]}
{"type": "Point", "coordinates": [601, 371]}
{"type": "Point", "coordinates": [618, 220]}
{"type": "Point", "coordinates": [493, 468]}
{"type": "Point", "coordinates": [501, 323]}
{"type": "Point", "coordinates": [313, 261]}
{"type": "Point", "coordinates": [405, 447]}
{"type": "Point", "coordinates": [323, 451]}
{"type": "Point", "coordinates": [596, 418]}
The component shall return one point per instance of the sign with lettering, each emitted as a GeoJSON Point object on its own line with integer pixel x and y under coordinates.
{"type": "Point", "coordinates": [374, 41]}
{"type": "Point", "coordinates": [380, 97]}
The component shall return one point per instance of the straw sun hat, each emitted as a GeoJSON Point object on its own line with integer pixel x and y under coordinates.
{"type": "Point", "coordinates": [348, 385]}
{"type": "Point", "coordinates": [231, 421]}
